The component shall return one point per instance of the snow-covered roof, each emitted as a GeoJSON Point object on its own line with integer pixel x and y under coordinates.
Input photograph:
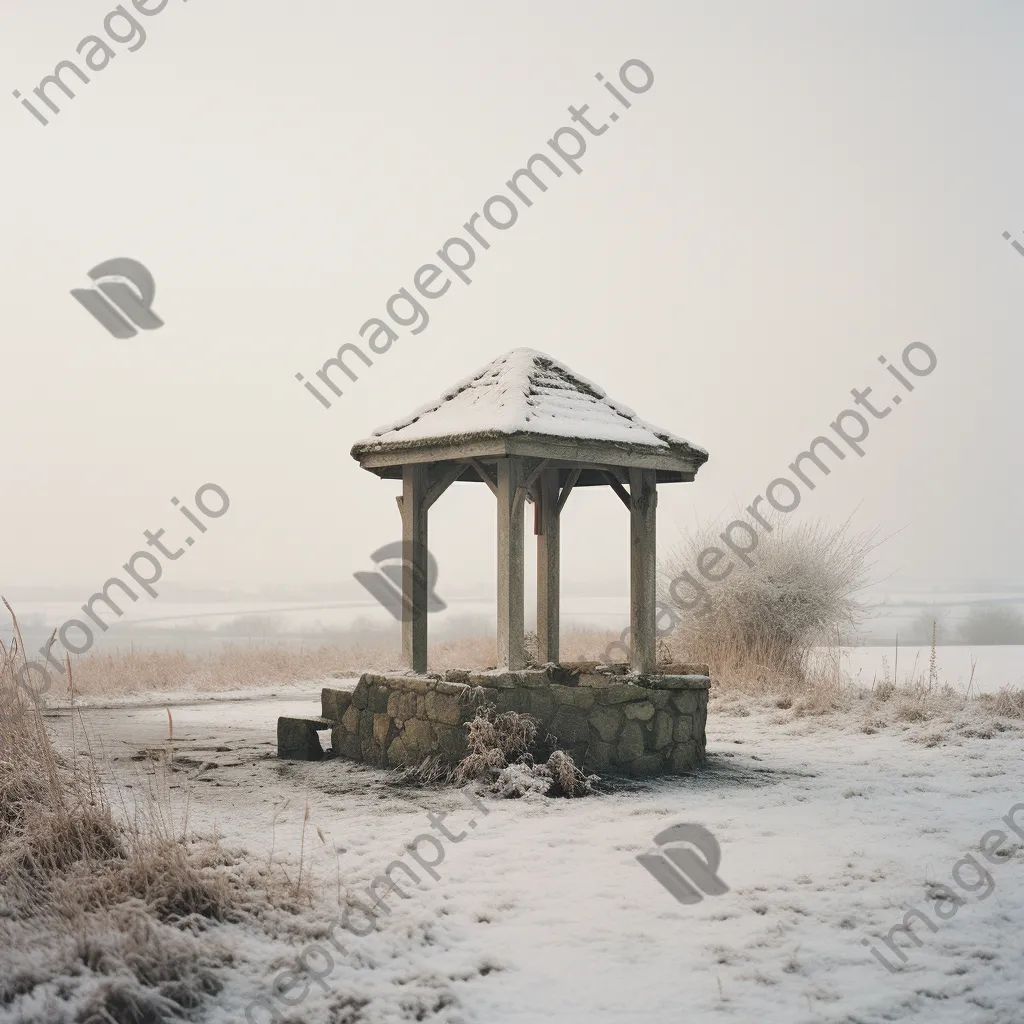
{"type": "Point", "coordinates": [525, 392]}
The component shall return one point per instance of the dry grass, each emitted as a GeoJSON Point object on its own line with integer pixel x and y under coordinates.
{"type": "Point", "coordinates": [239, 667]}
{"type": "Point", "coordinates": [229, 668]}
{"type": "Point", "coordinates": [104, 914]}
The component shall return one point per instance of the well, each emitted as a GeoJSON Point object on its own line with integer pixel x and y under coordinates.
{"type": "Point", "coordinates": [531, 430]}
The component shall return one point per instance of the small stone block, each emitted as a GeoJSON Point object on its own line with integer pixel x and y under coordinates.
{"type": "Point", "coordinates": [298, 738]}
{"type": "Point", "coordinates": [334, 703]}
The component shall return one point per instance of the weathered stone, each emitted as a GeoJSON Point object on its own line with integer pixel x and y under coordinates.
{"type": "Point", "coordinates": [661, 737]}
{"type": "Point", "coordinates": [365, 724]}
{"type": "Point", "coordinates": [685, 756]}
{"type": "Point", "coordinates": [398, 756]}
{"type": "Point", "coordinates": [631, 742]}
{"type": "Point", "coordinates": [506, 700]}
{"type": "Point", "coordinates": [570, 726]}
{"type": "Point", "coordinates": [411, 684]}
{"type": "Point", "coordinates": [334, 703]}
{"type": "Point", "coordinates": [488, 682]}
{"type": "Point", "coordinates": [683, 730]}
{"type": "Point", "coordinates": [583, 697]}
{"type": "Point", "coordinates": [452, 742]}
{"type": "Point", "coordinates": [540, 704]}
{"type": "Point", "coordinates": [456, 689]}
{"type": "Point", "coordinates": [673, 669]}
{"type": "Point", "coordinates": [600, 755]}
{"type": "Point", "coordinates": [576, 696]}
{"type": "Point", "coordinates": [620, 694]}
{"type": "Point", "coordinates": [642, 711]}
{"type": "Point", "coordinates": [381, 727]}
{"type": "Point", "coordinates": [699, 723]}
{"type": "Point", "coordinates": [456, 675]}
{"type": "Point", "coordinates": [531, 678]}
{"type": "Point", "coordinates": [345, 743]}
{"type": "Point", "coordinates": [606, 722]}
{"type": "Point", "coordinates": [445, 708]}
{"type": "Point", "coordinates": [648, 766]}
{"type": "Point", "coordinates": [298, 739]}
{"type": "Point", "coordinates": [686, 701]}
{"type": "Point", "coordinates": [674, 682]}
{"type": "Point", "coordinates": [418, 736]}
{"type": "Point", "coordinates": [373, 753]}
{"type": "Point", "coordinates": [350, 720]}
{"type": "Point", "coordinates": [401, 705]}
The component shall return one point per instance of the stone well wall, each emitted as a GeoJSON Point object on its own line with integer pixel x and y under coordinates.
{"type": "Point", "coordinates": [608, 721]}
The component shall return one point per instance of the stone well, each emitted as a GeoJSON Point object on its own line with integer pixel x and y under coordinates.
{"type": "Point", "coordinates": [608, 719]}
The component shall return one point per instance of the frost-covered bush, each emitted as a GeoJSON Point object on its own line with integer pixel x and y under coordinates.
{"type": "Point", "coordinates": [498, 753]}
{"type": "Point", "coordinates": [798, 593]}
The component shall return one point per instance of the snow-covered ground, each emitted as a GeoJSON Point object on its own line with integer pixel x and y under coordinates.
{"type": "Point", "coordinates": [541, 912]}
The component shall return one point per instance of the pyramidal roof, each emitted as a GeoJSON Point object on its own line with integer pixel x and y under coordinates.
{"type": "Point", "coordinates": [525, 392]}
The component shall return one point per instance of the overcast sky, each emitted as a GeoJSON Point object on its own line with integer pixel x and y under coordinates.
{"type": "Point", "coordinates": [805, 187]}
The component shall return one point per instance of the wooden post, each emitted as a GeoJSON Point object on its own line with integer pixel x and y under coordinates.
{"type": "Point", "coordinates": [643, 501]}
{"type": "Point", "coordinates": [548, 520]}
{"type": "Point", "coordinates": [511, 497]}
{"type": "Point", "coordinates": [414, 566]}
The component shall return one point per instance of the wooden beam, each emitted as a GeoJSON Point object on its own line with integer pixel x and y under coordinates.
{"type": "Point", "coordinates": [548, 567]}
{"type": "Point", "coordinates": [481, 471]}
{"type": "Point", "coordinates": [511, 652]}
{"type": "Point", "coordinates": [535, 473]}
{"type": "Point", "coordinates": [574, 475]}
{"type": "Point", "coordinates": [529, 478]}
{"type": "Point", "coordinates": [573, 452]}
{"type": "Point", "coordinates": [643, 567]}
{"type": "Point", "coordinates": [617, 488]}
{"type": "Point", "coordinates": [442, 480]}
{"type": "Point", "coordinates": [414, 567]}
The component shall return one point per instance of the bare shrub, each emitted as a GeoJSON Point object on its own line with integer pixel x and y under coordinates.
{"type": "Point", "coordinates": [498, 751]}
{"type": "Point", "coordinates": [760, 623]}
{"type": "Point", "coordinates": [494, 740]}
{"type": "Point", "coordinates": [567, 778]}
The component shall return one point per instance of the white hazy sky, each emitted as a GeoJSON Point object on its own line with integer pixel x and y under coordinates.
{"type": "Point", "coordinates": [806, 186]}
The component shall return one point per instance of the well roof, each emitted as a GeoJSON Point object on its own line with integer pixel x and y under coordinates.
{"type": "Point", "coordinates": [530, 397]}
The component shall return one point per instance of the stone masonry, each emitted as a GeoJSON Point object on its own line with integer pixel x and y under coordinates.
{"type": "Point", "coordinates": [608, 720]}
